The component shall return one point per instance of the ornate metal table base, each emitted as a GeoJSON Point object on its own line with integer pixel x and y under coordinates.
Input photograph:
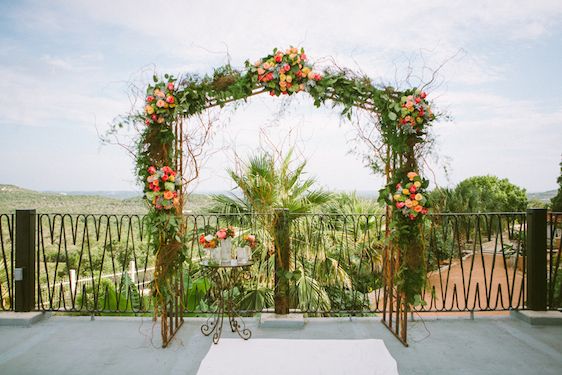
{"type": "Point", "coordinates": [225, 278]}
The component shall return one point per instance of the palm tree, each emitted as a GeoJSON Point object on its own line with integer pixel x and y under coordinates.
{"type": "Point", "coordinates": [279, 193]}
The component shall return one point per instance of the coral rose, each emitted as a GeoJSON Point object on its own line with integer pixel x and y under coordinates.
{"type": "Point", "coordinates": [408, 203]}
{"type": "Point", "coordinates": [400, 204]}
{"type": "Point", "coordinates": [418, 208]}
{"type": "Point", "coordinates": [221, 234]}
{"type": "Point", "coordinates": [149, 98]}
{"type": "Point", "coordinates": [160, 103]}
{"type": "Point", "coordinates": [171, 86]}
{"type": "Point", "coordinates": [151, 169]}
{"type": "Point", "coordinates": [170, 99]}
{"type": "Point", "coordinates": [168, 195]}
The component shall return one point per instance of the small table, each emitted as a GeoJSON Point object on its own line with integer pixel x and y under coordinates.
{"type": "Point", "coordinates": [225, 277]}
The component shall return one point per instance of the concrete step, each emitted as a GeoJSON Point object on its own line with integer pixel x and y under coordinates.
{"type": "Point", "coordinates": [291, 321]}
{"type": "Point", "coordinates": [22, 319]}
{"type": "Point", "coordinates": [539, 318]}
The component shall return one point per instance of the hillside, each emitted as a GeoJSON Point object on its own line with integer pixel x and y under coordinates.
{"type": "Point", "coordinates": [543, 196]}
{"type": "Point", "coordinates": [13, 197]}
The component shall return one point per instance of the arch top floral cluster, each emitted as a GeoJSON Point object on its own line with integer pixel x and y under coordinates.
{"type": "Point", "coordinates": [160, 102]}
{"type": "Point", "coordinates": [410, 197]}
{"type": "Point", "coordinates": [284, 73]}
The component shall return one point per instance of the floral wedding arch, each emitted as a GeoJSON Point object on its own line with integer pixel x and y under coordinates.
{"type": "Point", "coordinates": [403, 118]}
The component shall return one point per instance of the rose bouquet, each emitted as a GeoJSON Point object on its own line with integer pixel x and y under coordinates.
{"type": "Point", "coordinates": [249, 240]}
{"type": "Point", "coordinates": [224, 233]}
{"type": "Point", "coordinates": [160, 102]}
{"type": "Point", "coordinates": [415, 112]}
{"type": "Point", "coordinates": [162, 186]}
{"type": "Point", "coordinates": [410, 197]}
{"type": "Point", "coordinates": [209, 241]}
{"type": "Point", "coordinates": [284, 72]}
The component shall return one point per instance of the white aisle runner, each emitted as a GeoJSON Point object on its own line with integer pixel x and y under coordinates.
{"type": "Point", "coordinates": [310, 357]}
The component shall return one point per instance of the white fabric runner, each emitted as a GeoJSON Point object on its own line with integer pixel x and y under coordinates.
{"type": "Point", "coordinates": [310, 357]}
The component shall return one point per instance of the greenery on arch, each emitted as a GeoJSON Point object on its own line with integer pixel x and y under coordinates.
{"type": "Point", "coordinates": [403, 119]}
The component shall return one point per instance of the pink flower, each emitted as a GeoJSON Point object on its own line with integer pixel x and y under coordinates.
{"type": "Point", "coordinates": [261, 71]}
{"type": "Point", "coordinates": [423, 95]}
{"type": "Point", "coordinates": [287, 67]}
{"type": "Point", "coordinates": [170, 99]}
{"type": "Point", "coordinates": [221, 234]}
{"type": "Point", "coordinates": [151, 169]}
{"type": "Point", "coordinates": [418, 100]}
{"type": "Point", "coordinates": [424, 211]}
{"type": "Point", "coordinates": [154, 117]}
{"type": "Point", "coordinates": [160, 103]}
{"type": "Point", "coordinates": [147, 122]}
{"type": "Point", "coordinates": [317, 77]}
{"type": "Point", "coordinates": [412, 217]}
{"type": "Point", "coordinates": [400, 204]}
{"type": "Point", "coordinates": [278, 58]}
{"type": "Point", "coordinates": [303, 56]}
{"type": "Point", "coordinates": [413, 189]}
{"type": "Point", "coordinates": [272, 93]}
{"type": "Point", "coordinates": [149, 98]}
{"type": "Point", "coordinates": [171, 86]}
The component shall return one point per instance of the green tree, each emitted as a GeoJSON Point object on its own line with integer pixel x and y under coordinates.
{"type": "Point", "coordinates": [268, 185]}
{"type": "Point", "coordinates": [481, 194]}
{"type": "Point", "coordinates": [556, 201]}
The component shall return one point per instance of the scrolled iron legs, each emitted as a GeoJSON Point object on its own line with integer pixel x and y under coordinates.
{"type": "Point", "coordinates": [225, 284]}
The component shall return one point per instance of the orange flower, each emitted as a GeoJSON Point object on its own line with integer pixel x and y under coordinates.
{"type": "Point", "coordinates": [418, 208]}
{"type": "Point", "coordinates": [411, 175]}
{"type": "Point", "coordinates": [168, 195]}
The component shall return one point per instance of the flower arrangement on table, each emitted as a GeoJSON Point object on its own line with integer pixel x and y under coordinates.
{"type": "Point", "coordinates": [410, 196]}
{"type": "Point", "coordinates": [162, 186]}
{"type": "Point", "coordinates": [209, 241]}
{"type": "Point", "coordinates": [249, 240]}
{"type": "Point", "coordinates": [284, 73]}
{"type": "Point", "coordinates": [160, 102]}
{"type": "Point", "coordinates": [415, 112]}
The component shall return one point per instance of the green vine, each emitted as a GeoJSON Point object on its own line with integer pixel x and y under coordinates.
{"type": "Point", "coordinates": [404, 117]}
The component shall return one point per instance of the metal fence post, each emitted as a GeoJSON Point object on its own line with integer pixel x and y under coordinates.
{"type": "Point", "coordinates": [536, 259]}
{"type": "Point", "coordinates": [24, 275]}
{"type": "Point", "coordinates": [282, 257]}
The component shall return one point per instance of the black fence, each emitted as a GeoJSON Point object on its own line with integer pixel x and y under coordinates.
{"type": "Point", "coordinates": [7, 261]}
{"type": "Point", "coordinates": [93, 264]}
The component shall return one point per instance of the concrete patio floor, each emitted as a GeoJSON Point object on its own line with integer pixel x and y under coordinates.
{"type": "Point", "coordinates": [77, 345]}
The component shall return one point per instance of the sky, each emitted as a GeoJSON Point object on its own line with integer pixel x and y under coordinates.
{"type": "Point", "coordinates": [67, 67]}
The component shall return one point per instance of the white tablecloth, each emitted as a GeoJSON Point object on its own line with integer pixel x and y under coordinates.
{"type": "Point", "coordinates": [310, 357]}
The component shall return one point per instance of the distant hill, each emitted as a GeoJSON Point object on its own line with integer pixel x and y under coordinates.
{"type": "Point", "coordinates": [543, 196]}
{"type": "Point", "coordinates": [14, 197]}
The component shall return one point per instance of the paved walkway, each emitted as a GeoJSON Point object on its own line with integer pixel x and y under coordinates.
{"type": "Point", "coordinates": [76, 345]}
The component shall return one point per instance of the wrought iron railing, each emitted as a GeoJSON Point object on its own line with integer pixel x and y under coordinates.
{"type": "Point", "coordinates": [102, 263]}
{"type": "Point", "coordinates": [6, 261]}
{"type": "Point", "coordinates": [554, 264]}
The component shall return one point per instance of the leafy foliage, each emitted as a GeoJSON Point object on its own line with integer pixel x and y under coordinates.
{"type": "Point", "coordinates": [481, 194]}
{"type": "Point", "coordinates": [556, 201]}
